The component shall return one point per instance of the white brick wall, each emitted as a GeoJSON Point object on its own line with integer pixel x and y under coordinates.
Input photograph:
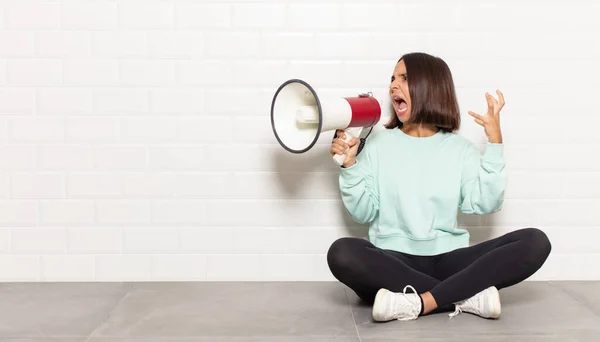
{"type": "Point", "coordinates": [135, 141]}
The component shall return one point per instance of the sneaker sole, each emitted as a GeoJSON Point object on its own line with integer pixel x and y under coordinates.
{"type": "Point", "coordinates": [377, 305]}
{"type": "Point", "coordinates": [494, 302]}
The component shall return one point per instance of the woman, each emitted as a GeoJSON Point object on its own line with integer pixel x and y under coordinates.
{"type": "Point", "coordinates": [408, 183]}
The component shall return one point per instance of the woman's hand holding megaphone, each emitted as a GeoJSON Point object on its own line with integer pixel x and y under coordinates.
{"type": "Point", "coordinates": [339, 146]}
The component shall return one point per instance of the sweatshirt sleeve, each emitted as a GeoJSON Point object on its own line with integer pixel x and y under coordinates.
{"type": "Point", "coordinates": [483, 180]}
{"type": "Point", "coordinates": [358, 186]}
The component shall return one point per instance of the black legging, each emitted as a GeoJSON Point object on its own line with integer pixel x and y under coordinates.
{"type": "Point", "coordinates": [450, 277]}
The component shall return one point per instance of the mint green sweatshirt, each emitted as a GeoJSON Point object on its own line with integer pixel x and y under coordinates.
{"type": "Point", "coordinates": [409, 189]}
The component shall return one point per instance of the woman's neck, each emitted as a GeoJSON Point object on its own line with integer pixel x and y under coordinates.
{"type": "Point", "coordinates": [419, 131]}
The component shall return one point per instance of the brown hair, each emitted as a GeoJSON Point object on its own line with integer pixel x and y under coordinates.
{"type": "Point", "coordinates": [432, 93]}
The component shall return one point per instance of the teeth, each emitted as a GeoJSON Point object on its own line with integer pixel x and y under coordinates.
{"type": "Point", "coordinates": [398, 105]}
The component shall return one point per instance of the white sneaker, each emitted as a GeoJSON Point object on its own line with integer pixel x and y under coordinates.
{"type": "Point", "coordinates": [396, 306]}
{"type": "Point", "coordinates": [485, 304]}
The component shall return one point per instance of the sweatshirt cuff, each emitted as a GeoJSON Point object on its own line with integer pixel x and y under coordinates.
{"type": "Point", "coordinates": [494, 152]}
{"type": "Point", "coordinates": [350, 171]}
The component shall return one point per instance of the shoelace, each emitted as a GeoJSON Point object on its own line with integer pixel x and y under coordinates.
{"type": "Point", "coordinates": [458, 307]}
{"type": "Point", "coordinates": [456, 312]}
{"type": "Point", "coordinates": [406, 297]}
{"type": "Point", "coordinates": [406, 287]}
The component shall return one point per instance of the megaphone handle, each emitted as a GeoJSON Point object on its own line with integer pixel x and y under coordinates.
{"type": "Point", "coordinates": [351, 132]}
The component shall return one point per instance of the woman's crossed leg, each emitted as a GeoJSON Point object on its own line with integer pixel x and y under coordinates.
{"type": "Point", "coordinates": [467, 279]}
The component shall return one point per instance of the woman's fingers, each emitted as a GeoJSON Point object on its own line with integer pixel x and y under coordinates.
{"type": "Point", "coordinates": [490, 102]}
{"type": "Point", "coordinates": [337, 150]}
{"type": "Point", "coordinates": [341, 143]}
{"type": "Point", "coordinates": [501, 98]}
{"type": "Point", "coordinates": [478, 118]}
{"type": "Point", "coordinates": [475, 115]}
{"type": "Point", "coordinates": [338, 146]}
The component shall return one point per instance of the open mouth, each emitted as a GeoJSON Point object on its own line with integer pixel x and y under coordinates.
{"type": "Point", "coordinates": [400, 104]}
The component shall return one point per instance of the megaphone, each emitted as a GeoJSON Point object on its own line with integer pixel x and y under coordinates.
{"type": "Point", "coordinates": [299, 116]}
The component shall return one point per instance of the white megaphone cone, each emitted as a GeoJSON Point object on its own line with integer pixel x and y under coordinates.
{"type": "Point", "coordinates": [299, 116]}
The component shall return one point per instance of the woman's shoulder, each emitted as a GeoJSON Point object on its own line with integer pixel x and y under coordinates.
{"type": "Point", "coordinates": [459, 140]}
{"type": "Point", "coordinates": [462, 146]}
{"type": "Point", "coordinates": [378, 136]}
{"type": "Point", "coordinates": [374, 140]}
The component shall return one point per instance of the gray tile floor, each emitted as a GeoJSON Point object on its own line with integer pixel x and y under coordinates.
{"type": "Point", "coordinates": [277, 311]}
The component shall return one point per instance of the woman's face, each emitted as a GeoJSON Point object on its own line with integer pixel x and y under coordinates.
{"type": "Point", "coordinates": [399, 92]}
